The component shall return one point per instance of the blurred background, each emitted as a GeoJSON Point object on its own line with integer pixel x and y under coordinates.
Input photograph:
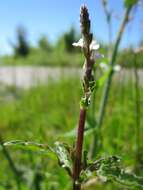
{"type": "Point", "coordinates": [40, 87]}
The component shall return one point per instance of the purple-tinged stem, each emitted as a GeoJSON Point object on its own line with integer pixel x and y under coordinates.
{"type": "Point", "coordinates": [79, 145]}
{"type": "Point", "coordinates": [87, 39]}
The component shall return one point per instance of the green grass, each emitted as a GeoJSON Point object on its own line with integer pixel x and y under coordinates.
{"type": "Point", "coordinates": [47, 112]}
{"type": "Point", "coordinates": [63, 58]}
{"type": "Point", "coordinates": [38, 57]}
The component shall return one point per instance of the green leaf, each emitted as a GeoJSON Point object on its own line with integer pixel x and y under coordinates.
{"type": "Point", "coordinates": [33, 146]}
{"type": "Point", "coordinates": [64, 154]}
{"type": "Point", "coordinates": [62, 151]}
{"type": "Point", "coordinates": [110, 169]}
{"type": "Point", "coordinates": [129, 3]}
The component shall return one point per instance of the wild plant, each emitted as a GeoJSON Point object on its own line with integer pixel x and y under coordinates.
{"type": "Point", "coordinates": [74, 159]}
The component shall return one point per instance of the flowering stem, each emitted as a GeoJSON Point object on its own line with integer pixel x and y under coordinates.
{"type": "Point", "coordinates": [87, 78]}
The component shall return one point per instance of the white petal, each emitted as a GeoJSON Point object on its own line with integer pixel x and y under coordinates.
{"type": "Point", "coordinates": [79, 43]}
{"type": "Point", "coordinates": [94, 45]}
{"type": "Point", "coordinates": [117, 68]}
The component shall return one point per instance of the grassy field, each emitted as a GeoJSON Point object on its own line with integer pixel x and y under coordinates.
{"type": "Point", "coordinates": [63, 58]}
{"type": "Point", "coordinates": [47, 114]}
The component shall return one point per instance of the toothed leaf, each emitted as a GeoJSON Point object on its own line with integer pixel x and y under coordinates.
{"type": "Point", "coordinates": [110, 169]}
{"type": "Point", "coordinates": [63, 154]}
{"type": "Point", "coordinates": [32, 146]}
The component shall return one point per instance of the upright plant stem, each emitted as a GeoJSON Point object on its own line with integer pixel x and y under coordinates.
{"type": "Point", "coordinates": [87, 78]}
{"type": "Point", "coordinates": [79, 145]}
{"type": "Point", "coordinates": [109, 80]}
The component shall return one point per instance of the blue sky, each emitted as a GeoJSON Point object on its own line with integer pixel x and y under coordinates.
{"type": "Point", "coordinates": [52, 17]}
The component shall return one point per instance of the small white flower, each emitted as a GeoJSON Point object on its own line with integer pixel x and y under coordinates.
{"type": "Point", "coordinates": [93, 46]}
{"type": "Point", "coordinates": [117, 68]}
{"type": "Point", "coordinates": [79, 43]}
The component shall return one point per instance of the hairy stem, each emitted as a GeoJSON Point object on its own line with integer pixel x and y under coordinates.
{"type": "Point", "coordinates": [87, 78]}
{"type": "Point", "coordinates": [79, 145]}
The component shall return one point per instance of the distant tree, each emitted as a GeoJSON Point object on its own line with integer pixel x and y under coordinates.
{"type": "Point", "coordinates": [44, 44]}
{"type": "Point", "coordinates": [69, 38]}
{"type": "Point", "coordinates": [66, 40]}
{"type": "Point", "coordinates": [22, 46]}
